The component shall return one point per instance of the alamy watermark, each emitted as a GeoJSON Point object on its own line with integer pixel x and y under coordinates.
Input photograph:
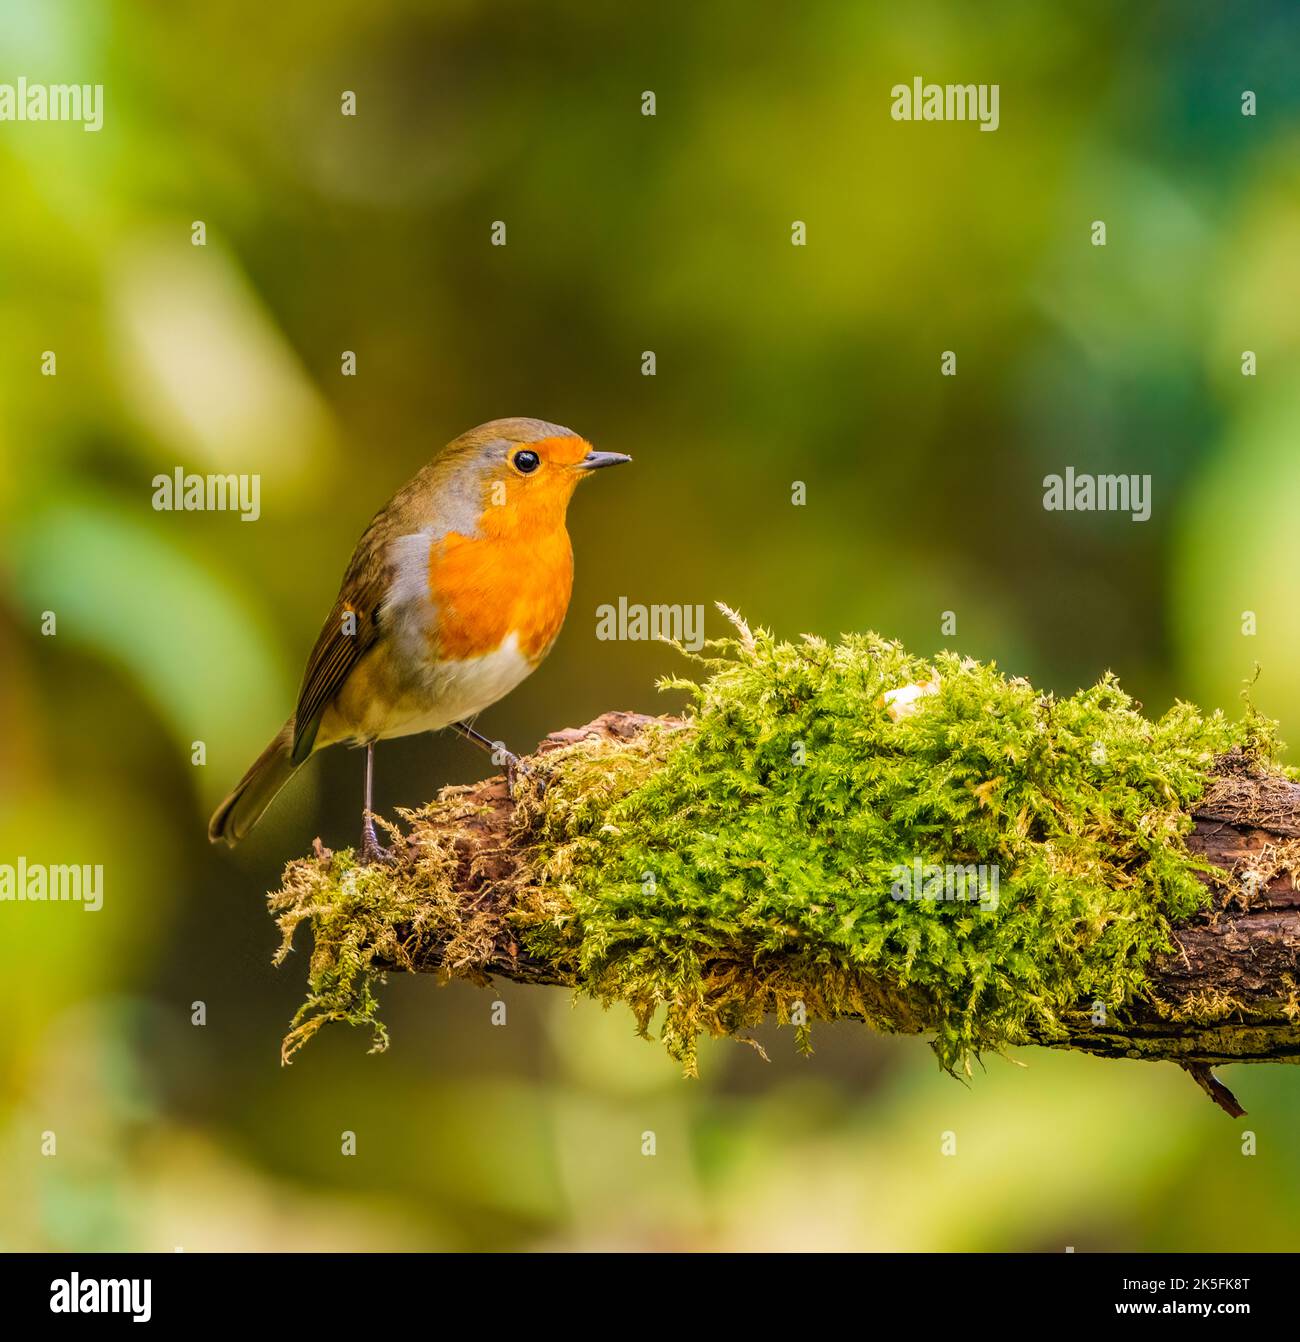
{"type": "Point", "coordinates": [960, 882]}
{"type": "Point", "coordinates": [53, 102]}
{"type": "Point", "coordinates": [1081, 493]}
{"type": "Point", "coordinates": [919, 101]}
{"type": "Point", "coordinates": [76, 1294]}
{"type": "Point", "coordinates": [181, 492]}
{"type": "Point", "coordinates": [633, 622]}
{"type": "Point", "coordinates": [38, 883]}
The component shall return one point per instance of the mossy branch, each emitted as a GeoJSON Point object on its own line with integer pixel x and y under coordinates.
{"type": "Point", "coordinates": [786, 849]}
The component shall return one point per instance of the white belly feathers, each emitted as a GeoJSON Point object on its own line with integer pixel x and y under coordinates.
{"type": "Point", "coordinates": [454, 691]}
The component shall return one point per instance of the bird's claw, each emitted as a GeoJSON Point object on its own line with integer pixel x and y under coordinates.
{"type": "Point", "coordinates": [372, 852]}
{"type": "Point", "coordinates": [517, 768]}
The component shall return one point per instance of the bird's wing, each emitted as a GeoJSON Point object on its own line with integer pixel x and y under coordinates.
{"type": "Point", "coordinates": [343, 641]}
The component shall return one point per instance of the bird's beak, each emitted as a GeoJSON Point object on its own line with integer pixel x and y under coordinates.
{"type": "Point", "coordinates": [594, 461]}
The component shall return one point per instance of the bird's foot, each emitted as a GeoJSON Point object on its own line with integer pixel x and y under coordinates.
{"type": "Point", "coordinates": [517, 769]}
{"type": "Point", "coordinates": [372, 854]}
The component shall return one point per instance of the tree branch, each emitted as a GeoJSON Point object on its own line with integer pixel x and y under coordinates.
{"type": "Point", "coordinates": [1227, 992]}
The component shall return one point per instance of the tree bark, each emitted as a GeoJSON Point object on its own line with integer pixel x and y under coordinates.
{"type": "Point", "coordinates": [1227, 992]}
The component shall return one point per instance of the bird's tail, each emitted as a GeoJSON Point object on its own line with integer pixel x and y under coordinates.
{"type": "Point", "coordinates": [272, 769]}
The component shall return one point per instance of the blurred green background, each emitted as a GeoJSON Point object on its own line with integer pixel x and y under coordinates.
{"type": "Point", "coordinates": [775, 364]}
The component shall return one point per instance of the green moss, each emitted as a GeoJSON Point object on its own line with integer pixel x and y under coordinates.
{"type": "Point", "coordinates": [365, 920]}
{"type": "Point", "coordinates": [746, 863]}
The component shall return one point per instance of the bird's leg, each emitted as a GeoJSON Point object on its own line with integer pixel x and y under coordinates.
{"type": "Point", "coordinates": [513, 765]}
{"type": "Point", "coordinates": [371, 852]}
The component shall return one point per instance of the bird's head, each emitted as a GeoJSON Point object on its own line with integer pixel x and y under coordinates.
{"type": "Point", "coordinates": [523, 472]}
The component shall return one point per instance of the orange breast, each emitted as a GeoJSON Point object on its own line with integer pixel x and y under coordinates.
{"type": "Point", "coordinates": [488, 587]}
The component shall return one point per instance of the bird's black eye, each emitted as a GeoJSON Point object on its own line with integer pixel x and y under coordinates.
{"type": "Point", "coordinates": [527, 462]}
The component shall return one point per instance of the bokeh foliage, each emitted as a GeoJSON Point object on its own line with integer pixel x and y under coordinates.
{"type": "Point", "coordinates": [775, 364]}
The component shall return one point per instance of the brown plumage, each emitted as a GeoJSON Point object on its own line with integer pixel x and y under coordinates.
{"type": "Point", "coordinates": [456, 591]}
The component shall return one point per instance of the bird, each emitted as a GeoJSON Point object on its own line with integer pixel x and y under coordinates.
{"type": "Point", "coordinates": [455, 593]}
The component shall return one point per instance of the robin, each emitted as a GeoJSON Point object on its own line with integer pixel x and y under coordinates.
{"type": "Point", "coordinates": [456, 592]}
